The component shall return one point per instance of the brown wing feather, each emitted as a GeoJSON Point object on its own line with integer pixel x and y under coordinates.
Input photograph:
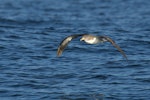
{"type": "Point", "coordinates": [115, 45]}
{"type": "Point", "coordinates": [65, 42]}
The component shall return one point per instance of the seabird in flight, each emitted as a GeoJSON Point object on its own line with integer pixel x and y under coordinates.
{"type": "Point", "coordinates": [89, 39]}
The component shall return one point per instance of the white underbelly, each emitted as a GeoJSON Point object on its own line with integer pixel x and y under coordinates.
{"type": "Point", "coordinates": [92, 41]}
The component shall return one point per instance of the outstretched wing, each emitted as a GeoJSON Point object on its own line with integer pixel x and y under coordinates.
{"type": "Point", "coordinates": [105, 38]}
{"type": "Point", "coordinates": [65, 42]}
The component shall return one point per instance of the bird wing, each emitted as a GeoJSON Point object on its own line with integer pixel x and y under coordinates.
{"type": "Point", "coordinates": [65, 42]}
{"type": "Point", "coordinates": [105, 38]}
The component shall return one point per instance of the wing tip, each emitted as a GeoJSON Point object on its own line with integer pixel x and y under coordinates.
{"type": "Point", "coordinates": [59, 53]}
{"type": "Point", "coordinates": [126, 58]}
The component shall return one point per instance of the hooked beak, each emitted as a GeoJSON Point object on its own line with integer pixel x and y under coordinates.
{"type": "Point", "coordinates": [81, 39]}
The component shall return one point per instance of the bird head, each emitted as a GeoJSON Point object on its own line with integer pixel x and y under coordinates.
{"type": "Point", "coordinates": [82, 39]}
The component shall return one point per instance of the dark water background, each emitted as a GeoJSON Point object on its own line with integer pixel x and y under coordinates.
{"type": "Point", "coordinates": [31, 30]}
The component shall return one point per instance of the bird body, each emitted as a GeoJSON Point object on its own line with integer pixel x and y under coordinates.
{"type": "Point", "coordinates": [89, 39]}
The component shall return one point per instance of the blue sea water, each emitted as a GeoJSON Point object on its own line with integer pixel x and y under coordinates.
{"type": "Point", "coordinates": [31, 31]}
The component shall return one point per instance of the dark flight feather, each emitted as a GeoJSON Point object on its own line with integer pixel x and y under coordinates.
{"type": "Point", "coordinates": [114, 44]}
{"type": "Point", "coordinates": [65, 42]}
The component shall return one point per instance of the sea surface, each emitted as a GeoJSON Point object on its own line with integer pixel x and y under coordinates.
{"type": "Point", "coordinates": [31, 31]}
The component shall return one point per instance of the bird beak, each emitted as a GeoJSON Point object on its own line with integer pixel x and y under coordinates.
{"type": "Point", "coordinates": [81, 39]}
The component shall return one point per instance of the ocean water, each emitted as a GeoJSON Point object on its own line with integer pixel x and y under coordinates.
{"type": "Point", "coordinates": [31, 31]}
